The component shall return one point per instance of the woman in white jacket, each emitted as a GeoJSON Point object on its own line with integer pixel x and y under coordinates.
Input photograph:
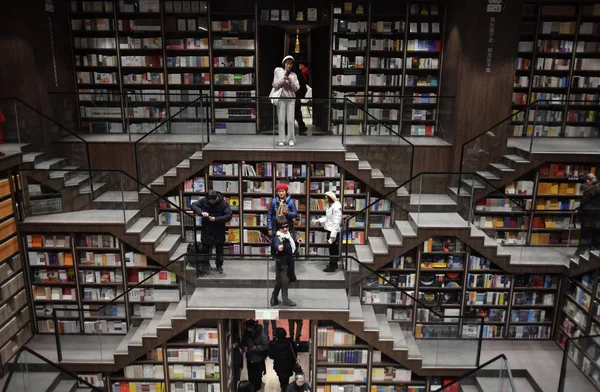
{"type": "Point", "coordinates": [332, 221]}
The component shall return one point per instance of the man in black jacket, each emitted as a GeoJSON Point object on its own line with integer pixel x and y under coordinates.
{"type": "Point", "coordinates": [215, 212]}
{"type": "Point", "coordinates": [283, 353]}
{"type": "Point", "coordinates": [301, 93]}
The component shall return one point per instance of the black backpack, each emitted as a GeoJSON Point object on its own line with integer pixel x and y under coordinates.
{"type": "Point", "coordinates": [194, 258]}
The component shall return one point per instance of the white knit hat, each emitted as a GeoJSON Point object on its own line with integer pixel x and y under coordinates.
{"type": "Point", "coordinates": [331, 195]}
{"type": "Point", "coordinates": [288, 57]}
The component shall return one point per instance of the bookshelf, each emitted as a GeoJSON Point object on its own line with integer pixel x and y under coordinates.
{"type": "Point", "coordinates": [184, 363]}
{"type": "Point", "coordinates": [15, 326]}
{"type": "Point", "coordinates": [456, 282]}
{"type": "Point", "coordinates": [557, 60]}
{"type": "Point", "coordinates": [344, 362]}
{"type": "Point", "coordinates": [575, 308]}
{"type": "Point", "coordinates": [543, 216]}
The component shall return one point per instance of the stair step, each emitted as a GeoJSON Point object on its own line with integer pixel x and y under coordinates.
{"type": "Point", "coordinates": [66, 386]}
{"type": "Point", "coordinates": [197, 155]}
{"type": "Point", "coordinates": [155, 234]}
{"type": "Point", "coordinates": [159, 181]}
{"type": "Point", "coordinates": [356, 313]}
{"type": "Point", "coordinates": [515, 158]}
{"type": "Point", "coordinates": [370, 319]}
{"type": "Point", "coordinates": [136, 340]}
{"type": "Point", "coordinates": [476, 232]}
{"type": "Point", "coordinates": [353, 266]}
{"type": "Point", "coordinates": [61, 173]}
{"type": "Point", "coordinates": [364, 165]}
{"type": "Point", "coordinates": [140, 225]}
{"type": "Point", "coordinates": [487, 175]}
{"type": "Point", "coordinates": [364, 254]}
{"type": "Point", "coordinates": [391, 237]}
{"type": "Point", "coordinates": [378, 246]}
{"type": "Point", "coordinates": [171, 173]}
{"type": "Point", "coordinates": [398, 334]}
{"type": "Point", "coordinates": [377, 174]}
{"type": "Point", "coordinates": [145, 191]}
{"type": "Point", "coordinates": [180, 312]}
{"type": "Point", "coordinates": [117, 197]}
{"type": "Point", "coordinates": [185, 164]}
{"type": "Point", "coordinates": [181, 250]}
{"type": "Point", "coordinates": [595, 253]}
{"type": "Point", "coordinates": [31, 157]}
{"type": "Point", "coordinates": [463, 191]}
{"type": "Point", "coordinates": [502, 167]}
{"type": "Point", "coordinates": [431, 199]}
{"type": "Point", "coordinates": [437, 220]}
{"type": "Point", "coordinates": [385, 333]}
{"type": "Point", "coordinates": [405, 229]}
{"type": "Point", "coordinates": [150, 332]}
{"type": "Point", "coordinates": [87, 189]}
{"type": "Point", "coordinates": [388, 182]}
{"type": "Point", "coordinates": [411, 343]}
{"type": "Point", "coordinates": [402, 192]}
{"type": "Point", "coordinates": [168, 243]}
{"type": "Point", "coordinates": [165, 320]}
{"type": "Point", "coordinates": [351, 156]}
{"type": "Point", "coordinates": [50, 163]}
{"type": "Point", "coordinates": [77, 179]}
{"type": "Point", "coordinates": [123, 345]}
{"type": "Point", "coordinates": [472, 182]}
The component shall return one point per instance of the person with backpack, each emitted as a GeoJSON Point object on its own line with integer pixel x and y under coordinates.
{"type": "Point", "coordinates": [284, 354]}
{"type": "Point", "coordinates": [256, 346]}
{"type": "Point", "coordinates": [215, 213]}
{"type": "Point", "coordinates": [285, 247]}
{"type": "Point", "coordinates": [332, 222]}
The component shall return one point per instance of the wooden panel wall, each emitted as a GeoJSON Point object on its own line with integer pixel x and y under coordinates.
{"type": "Point", "coordinates": [483, 96]}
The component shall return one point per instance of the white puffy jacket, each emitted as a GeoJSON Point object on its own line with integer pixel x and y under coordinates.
{"type": "Point", "coordinates": [332, 218]}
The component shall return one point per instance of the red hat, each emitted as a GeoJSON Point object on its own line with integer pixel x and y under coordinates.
{"type": "Point", "coordinates": [281, 186]}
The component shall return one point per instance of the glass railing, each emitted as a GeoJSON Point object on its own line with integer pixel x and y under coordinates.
{"type": "Point", "coordinates": [30, 371]}
{"type": "Point", "coordinates": [494, 376]}
{"type": "Point", "coordinates": [580, 369]}
{"type": "Point", "coordinates": [51, 144]}
{"type": "Point", "coordinates": [127, 115]}
{"type": "Point", "coordinates": [526, 126]}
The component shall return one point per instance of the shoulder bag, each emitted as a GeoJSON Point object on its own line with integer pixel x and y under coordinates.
{"type": "Point", "coordinates": [275, 95]}
{"type": "Point", "coordinates": [297, 368]}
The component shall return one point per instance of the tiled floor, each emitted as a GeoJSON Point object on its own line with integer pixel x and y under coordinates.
{"type": "Point", "coordinates": [86, 216]}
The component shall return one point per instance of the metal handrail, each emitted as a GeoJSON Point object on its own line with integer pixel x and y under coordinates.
{"type": "Point", "coordinates": [480, 367]}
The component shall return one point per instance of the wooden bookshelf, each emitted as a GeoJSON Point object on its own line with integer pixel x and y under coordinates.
{"type": "Point", "coordinates": [557, 60]}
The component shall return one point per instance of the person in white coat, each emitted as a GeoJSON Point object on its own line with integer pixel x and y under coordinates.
{"type": "Point", "coordinates": [332, 222]}
{"type": "Point", "coordinates": [286, 80]}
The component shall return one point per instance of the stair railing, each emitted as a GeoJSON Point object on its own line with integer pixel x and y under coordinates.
{"type": "Point", "coordinates": [490, 145]}
{"type": "Point", "coordinates": [496, 369]}
{"type": "Point", "coordinates": [579, 363]}
{"type": "Point", "coordinates": [154, 156]}
{"type": "Point", "coordinates": [33, 131]}
{"type": "Point", "coordinates": [20, 364]}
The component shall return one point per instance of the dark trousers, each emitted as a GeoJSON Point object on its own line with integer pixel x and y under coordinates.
{"type": "Point", "coordinates": [266, 327]}
{"type": "Point", "coordinates": [589, 236]}
{"type": "Point", "coordinates": [284, 381]}
{"type": "Point", "coordinates": [282, 280]}
{"type": "Point", "coordinates": [298, 115]}
{"type": "Point", "coordinates": [298, 330]}
{"type": "Point", "coordinates": [206, 250]}
{"type": "Point", "coordinates": [334, 250]}
{"type": "Point", "coordinates": [255, 373]}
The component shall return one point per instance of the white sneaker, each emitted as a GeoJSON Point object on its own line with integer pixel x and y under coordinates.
{"type": "Point", "coordinates": [291, 143]}
{"type": "Point", "coordinates": [281, 143]}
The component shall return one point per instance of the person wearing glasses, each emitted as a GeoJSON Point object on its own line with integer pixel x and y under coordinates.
{"type": "Point", "coordinates": [285, 247]}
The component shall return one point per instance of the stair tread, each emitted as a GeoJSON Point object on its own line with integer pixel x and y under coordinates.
{"type": "Point", "coordinates": [388, 182]}
{"type": "Point", "coordinates": [151, 330]}
{"type": "Point", "coordinates": [405, 229]}
{"type": "Point", "coordinates": [154, 234]}
{"type": "Point", "coordinates": [413, 347]}
{"type": "Point", "coordinates": [181, 250]}
{"type": "Point", "coordinates": [139, 225]}
{"type": "Point", "coordinates": [145, 191]}
{"type": "Point", "coordinates": [363, 254]}
{"type": "Point", "coordinates": [402, 192]}
{"type": "Point", "coordinates": [88, 188]}
{"type": "Point", "coordinates": [123, 345]}
{"type": "Point", "coordinates": [437, 199]}
{"type": "Point", "coordinates": [473, 182]}
{"type": "Point", "coordinates": [48, 163]}
{"type": "Point", "coordinates": [487, 175]}
{"type": "Point", "coordinates": [595, 253]}
{"type": "Point", "coordinates": [66, 385]}
{"type": "Point", "coordinates": [398, 334]}
{"type": "Point", "coordinates": [64, 170]}
{"type": "Point", "coordinates": [165, 320]}
{"type": "Point", "coordinates": [118, 196]}
{"type": "Point", "coordinates": [369, 318]}
{"type": "Point", "coordinates": [136, 340]}
{"type": "Point", "coordinates": [476, 232]}
{"type": "Point", "coordinates": [378, 246]}
{"type": "Point", "coordinates": [502, 167]}
{"type": "Point", "coordinates": [30, 156]}
{"type": "Point", "coordinates": [159, 181]}
{"type": "Point", "coordinates": [351, 156]}
{"type": "Point", "coordinates": [77, 179]}
{"type": "Point", "coordinates": [196, 155]}
{"type": "Point", "coordinates": [353, 266]}
{"type": "Point", "coordinates": [171, 172]}
{"type": "Point", "coordinates": [385, 333]}
{"type": "Point", "coordinates": [364, 165]}
{"type": "Point", "coordinates": [185, 164]}
{"type": "Point", "coordinates": [391, 237]}
{"type": "Point", "coordinates": [438, 219]}
{"type": "Point", "coordinates": [463, 191]}
{"type": "Point", "coordinates": [180, 311]}
{"type": "Point", "coordinates": [356, 313]}
{"type": "Point", "coordinates": [516, 158]}
{"type": "Point", "coordinates": [168, 243]}
{"type": "Point", "coordinates": [377, 174]}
